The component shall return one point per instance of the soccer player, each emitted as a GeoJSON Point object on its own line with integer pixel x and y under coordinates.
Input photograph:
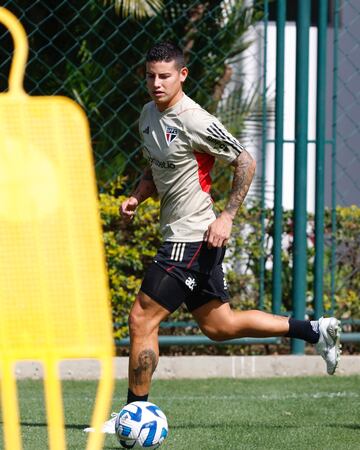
{"type": "Point", "coordinates": [181, 141]}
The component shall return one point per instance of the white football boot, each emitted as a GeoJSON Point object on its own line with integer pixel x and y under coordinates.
{"type": "Point", "coordinates": [108, 426]}
{"type": "Point", "coordinates": [328, 345]}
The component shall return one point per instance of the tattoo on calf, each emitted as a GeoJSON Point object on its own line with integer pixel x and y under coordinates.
{"type": "Point", "coordinates": [146, 367]}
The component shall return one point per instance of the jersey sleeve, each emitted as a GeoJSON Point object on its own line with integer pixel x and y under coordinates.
{"type": "Point", "coordinates": [208, 135]}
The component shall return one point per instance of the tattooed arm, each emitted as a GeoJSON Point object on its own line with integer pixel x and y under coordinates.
{"type": "Point", "coordinates": [219, 231]}
{"type": "Point", "coordinates": [244, 172]}
{"type": "Point", "coordinates": [145, 189]}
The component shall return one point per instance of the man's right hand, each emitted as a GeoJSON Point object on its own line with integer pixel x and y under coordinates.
{"type": "Point", "coordinates": [128, 208]}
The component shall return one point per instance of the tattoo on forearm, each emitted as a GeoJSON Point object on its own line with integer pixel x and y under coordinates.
{"type": "Point", "coordinates": [145, 368]}
{"type": "Point", "coordinates": [243, 175]}
{"type": "Point", "coordinates": [146, 188]}
{"type": "Point", "coordinates": [147, 175]}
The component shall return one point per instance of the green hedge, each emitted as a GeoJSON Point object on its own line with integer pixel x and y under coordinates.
{"type": "Point", "coordinates": [130, 249]}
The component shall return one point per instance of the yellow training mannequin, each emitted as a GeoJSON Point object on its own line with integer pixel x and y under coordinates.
{"type": "Point", "coordinates": [54, 299]}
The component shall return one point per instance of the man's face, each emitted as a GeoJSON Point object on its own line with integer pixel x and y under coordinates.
{"type": "Point", "coordinates": [164, 82]}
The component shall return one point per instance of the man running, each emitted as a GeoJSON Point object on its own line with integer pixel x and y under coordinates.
{"type": "Point", "coordinates": [181, 141]}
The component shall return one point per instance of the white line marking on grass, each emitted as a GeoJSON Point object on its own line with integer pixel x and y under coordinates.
{"type": "Point", "coordinates": [263, 396]}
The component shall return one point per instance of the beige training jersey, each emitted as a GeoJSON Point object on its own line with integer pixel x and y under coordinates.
{"type": "Point", "coordinates": [181, 144]}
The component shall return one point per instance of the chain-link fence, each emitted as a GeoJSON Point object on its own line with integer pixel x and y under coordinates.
{"type": "Point", "coordinates": [346, 92]}
{"type": "Point", "coordinates": [89, 51]}
{"type": "Point", "coordinates": [343, 155]}
{"type": "Point", "coordinates": [93, 52]}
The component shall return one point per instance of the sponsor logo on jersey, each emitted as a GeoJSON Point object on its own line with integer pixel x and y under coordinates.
{"type": "Point", "coordinates": [222, 138]}
{"type": "Point", "coordinates": [217, 144]}
{"type": "Point", "coordinates": [170, 134]}
{"type": "Point", "coordinates": [161, 164]}
{"type": "Point", "coordinates": [156, 162]}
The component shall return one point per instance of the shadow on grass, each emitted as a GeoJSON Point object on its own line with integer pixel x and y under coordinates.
{"type": "Point", "coordinates": [349, 426]}
{"type": "Point", "coordinates": [67, 426]}
{"type": "Point", "coordinates": [202, 425]}
{"type": "Point", "coordinates": [44, 424]}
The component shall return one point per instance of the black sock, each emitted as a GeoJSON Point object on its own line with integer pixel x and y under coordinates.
{"type": "Point", "coordinates": [131, 397]}
{"type": "Point", "coordinates": [304, 329]}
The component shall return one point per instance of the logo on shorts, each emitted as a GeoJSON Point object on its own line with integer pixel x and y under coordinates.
{"type": "Point", "coordinates": [225, 283]}
{"type": "Point", "coordinates": [190, 283]}
{"type": "Point", "coordinates": [170, 134]}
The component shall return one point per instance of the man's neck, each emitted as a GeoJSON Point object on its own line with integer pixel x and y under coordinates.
{"type": "Point", "coordinates": [172, 102]}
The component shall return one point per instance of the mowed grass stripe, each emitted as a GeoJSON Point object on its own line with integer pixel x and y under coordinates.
{"type": "Point", "coordinates": [278, 413]}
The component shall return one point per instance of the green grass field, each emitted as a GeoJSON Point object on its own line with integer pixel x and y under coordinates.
{"type": "Point", "coordinates": [283, 413]}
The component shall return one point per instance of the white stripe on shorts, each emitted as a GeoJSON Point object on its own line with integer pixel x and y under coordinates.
{"type": "Point", "coordinates": [173, 250]}
{"type": "Point", "coordinates": [182, 251]}
{"type": "Point", "coordinates": [177, 252]}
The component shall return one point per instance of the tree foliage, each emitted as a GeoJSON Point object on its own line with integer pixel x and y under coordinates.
{"type": "Point", "coordinates": [137, 8]}
{"type": "Point", "coordinates": [94, 53]}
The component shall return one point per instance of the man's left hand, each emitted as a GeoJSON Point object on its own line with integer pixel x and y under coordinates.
{"type": "Point", "coordinates": [219, 231]}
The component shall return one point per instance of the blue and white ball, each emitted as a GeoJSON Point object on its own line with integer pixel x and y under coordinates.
{"type": "Point", "coordinates": [141, 425]}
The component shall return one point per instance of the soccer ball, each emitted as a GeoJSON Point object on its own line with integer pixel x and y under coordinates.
{"type": "Point", "coordinates": [141, 425]}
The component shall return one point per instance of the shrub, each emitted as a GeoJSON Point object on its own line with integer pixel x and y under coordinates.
{"type": "Point", "coordinates": [130, 249]}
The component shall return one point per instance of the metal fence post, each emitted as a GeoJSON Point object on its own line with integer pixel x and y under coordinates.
{"type": "Point", "coordinates": [320, 160]}
{"type": "Point", "coordinates": [334, 153]}
{"type": "Point", "coordinates": [263, 161]}
{"type": "Point", "coordinates": [301, 141]}
{"type": "Point", "coordinates": [279, 139]}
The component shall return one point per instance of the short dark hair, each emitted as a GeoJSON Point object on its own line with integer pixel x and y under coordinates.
{"type": "Point", "coordinates": [166, 51]}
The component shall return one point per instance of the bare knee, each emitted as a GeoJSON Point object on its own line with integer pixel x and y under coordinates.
{"type": "Point", "coordinates": [218, 332]}
{"type": "Point", "coordinates": [136, 322]}
{"type": "Point", "coordinates": [216, 320]}
{"type": "Point", "coordinates": [145, 316]}
{"type": "Point", "coordinates": [139, 323]}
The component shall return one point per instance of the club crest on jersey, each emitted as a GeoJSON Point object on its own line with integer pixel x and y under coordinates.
{"type": "Point", "coordinates": [170, 134]}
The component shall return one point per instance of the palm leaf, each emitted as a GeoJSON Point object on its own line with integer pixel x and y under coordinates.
{"type": "Point", "coordinates": [136, 8]}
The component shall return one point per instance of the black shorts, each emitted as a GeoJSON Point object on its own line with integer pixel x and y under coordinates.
{"type": "Point", "coordinates": [186, 272]}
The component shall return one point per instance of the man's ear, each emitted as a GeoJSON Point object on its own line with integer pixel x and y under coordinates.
{"type": "Point", "coordinates": [183, 73]}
